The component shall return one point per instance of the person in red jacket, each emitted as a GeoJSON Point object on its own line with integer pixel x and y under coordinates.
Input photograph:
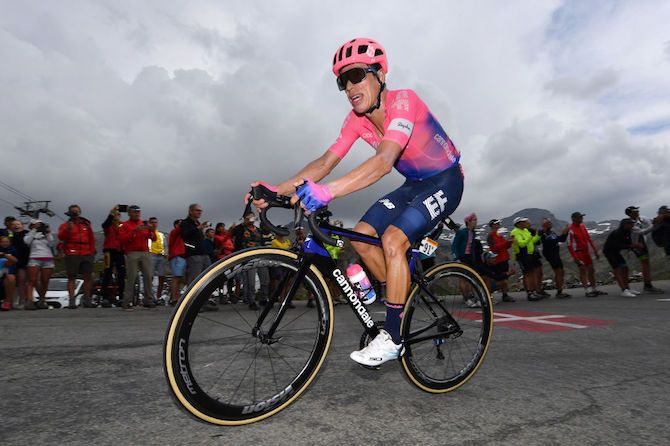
{"type": "Point", "coordinates": [135, 235]}
{"type": "Point", "coordinates": [176, 253]}
{"type": "Point", "coordinates": [579, 242]}
{"type": "Point", "coordinates": [223, 242]}
{"type": "Point", "coordinates": [113, 259]}
{"type": "Point", "coordinates": [500, 246]}
{"type": "Point", "coordinates": [78, 247]}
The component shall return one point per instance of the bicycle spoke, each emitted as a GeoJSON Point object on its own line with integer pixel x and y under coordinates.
{"type": "Point", "coordinates": [231, 363]}
{"type": "Point", "coordinates": [226, 325]}
{"type": "Point", "coordinates": [231, 359]}
{"type": "Point", "coordinates": [245, 374]}
{"type": "Point", "coordinates": [274, 375]}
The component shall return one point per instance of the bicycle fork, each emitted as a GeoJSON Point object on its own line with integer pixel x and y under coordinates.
{"type": "Point", "coordinates": [268, 338]}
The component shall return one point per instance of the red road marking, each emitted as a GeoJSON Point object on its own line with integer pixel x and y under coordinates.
{"type": "Point", "coordinates": [539, 322]}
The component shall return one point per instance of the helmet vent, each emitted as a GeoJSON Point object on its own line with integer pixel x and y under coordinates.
{"type": "Point", "coordinates": [348, 52]}
{"type": "Point", "coordinates": [362, 49]}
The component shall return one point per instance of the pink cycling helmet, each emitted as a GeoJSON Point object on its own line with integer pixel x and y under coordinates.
{"type": "Point", "coordinates": [360, 50]}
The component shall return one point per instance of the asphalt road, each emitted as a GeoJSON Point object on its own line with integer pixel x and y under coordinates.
{"type": "Point", "coordinates": [94, 376]}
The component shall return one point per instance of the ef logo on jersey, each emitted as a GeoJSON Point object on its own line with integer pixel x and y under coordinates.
{"type": "Point", "coordinates": [435, 203]}
{"type": "Point", "coordinates": [386, 202]}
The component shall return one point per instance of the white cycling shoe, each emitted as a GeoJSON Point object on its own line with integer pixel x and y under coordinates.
{"type": "Point", "coordinates": [380, 350]}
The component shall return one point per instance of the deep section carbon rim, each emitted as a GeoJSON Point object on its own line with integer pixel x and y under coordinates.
{"type": "Point", "coordinates": [228, 371]}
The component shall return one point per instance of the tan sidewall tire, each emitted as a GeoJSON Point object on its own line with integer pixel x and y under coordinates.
{"type": "Point", "coordinates": [413, 294]}
{"type": "Point", "coordinates": [193, 291]}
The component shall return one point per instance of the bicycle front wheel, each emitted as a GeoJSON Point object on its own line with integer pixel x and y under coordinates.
{"type": "Point", "coordinates": [447, 327]}
{"type": "Point", "coordinates": [221, 365]}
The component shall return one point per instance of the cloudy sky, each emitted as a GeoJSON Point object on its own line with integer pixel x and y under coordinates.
{"type": "Point", "coordinates": [562, 105]}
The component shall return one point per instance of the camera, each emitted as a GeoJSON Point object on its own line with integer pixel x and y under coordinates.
{"type": "Point", "coordinates": [69, 214]}
{"type": "Point", "coordinates": [43, 228]}
{"type": "Point", "coordinates": [122, 207]}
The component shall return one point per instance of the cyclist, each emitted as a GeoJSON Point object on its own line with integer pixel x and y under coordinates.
{"type": "Point", "coordinates": [405, 135]}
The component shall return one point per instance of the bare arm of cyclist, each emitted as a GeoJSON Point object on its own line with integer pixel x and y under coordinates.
{"type": "Point", "coordinates": [371, 171]}
{"type": "Point", "coordinates": [315, 171]}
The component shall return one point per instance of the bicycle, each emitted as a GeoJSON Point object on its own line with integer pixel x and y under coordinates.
{"type": "Point", "coordinates": [232, 367]}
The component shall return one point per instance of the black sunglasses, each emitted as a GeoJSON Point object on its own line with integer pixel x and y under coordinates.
{"type": "Point", "coordinates": [355, 75]}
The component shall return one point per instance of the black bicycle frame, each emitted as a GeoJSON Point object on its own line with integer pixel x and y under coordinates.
{"type": "Point", "coordinates": [314, 252]}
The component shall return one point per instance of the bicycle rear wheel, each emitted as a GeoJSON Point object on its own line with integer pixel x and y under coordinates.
{"type": "Point", "coordinates": [223, 371]}
{"type": "Point", "coordinates": [447, 328]}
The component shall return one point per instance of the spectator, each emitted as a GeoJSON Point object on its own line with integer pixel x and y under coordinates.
{"type": "Point", "coordinates": [641, 228]}
{"type": "Point", "coordinates": [500, 246]}
{"type": "Point", "coordinates": [158, 249]}
{"type": "Point", "coordinates": [135, 237]}
{"type": "Point", "coordinates": [40, 241]}
{"type": "Point", "coordinates": [550, 249]}
{"type": "Point", "coordinates": [618, 240]}
{"type": "Point", "coordinates": [23, 255]}
{"type": "Point", "coordinates": [579, 242]}
{"type": "Point", "coordinates": [210, 245]}
{"type": "Point", "coordinates": [223, 242]}
{"type": "Point", "coordinates": [247, 235]}
{"type": "Point", "coordinates": [8, 262]}
{"type": "Point", "coordinates": [176, 253]}
{"type": "Point", "coordinates": [223, 247]}
{"type": "Point", "coordinates": [661, 232]}
{"type": "Point", "coordinates": [467, 249]}
{"type": "Point", "coordinates": [113, 259]}
{"type": "Point", "coordinates": [278, 273]}
{"type": "Point", "coordinates": [537, 261]}
{"type": "Point", "coordinates": [234, 294]}
{"type": "Point", "coordinates": [78, 246]}
{"type": "Point", "coordinates": [465, 246]}
{"type": "Point", "coordinates": [523, 247]}
{"type": "Point", "coordinates": [7, 230]}
{"type": "Point", "coordinates": [197, 259]}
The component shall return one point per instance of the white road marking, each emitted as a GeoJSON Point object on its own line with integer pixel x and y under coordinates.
{"type": "Point", "coordinates": [504, 317]}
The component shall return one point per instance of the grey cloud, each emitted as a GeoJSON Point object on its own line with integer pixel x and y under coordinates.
{"type": "Point", "coordinates": [76, 127]}
{"type": "Point", "coordinates": [564, 169]}
{"type": "Point", "coordinates": [584, 88]}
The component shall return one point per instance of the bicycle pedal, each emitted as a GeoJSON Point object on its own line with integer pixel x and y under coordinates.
{"type": "Point", "coordinates": [370, 367]}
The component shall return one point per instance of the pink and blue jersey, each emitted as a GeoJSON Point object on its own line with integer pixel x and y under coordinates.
{"type": "Point", "coordinates": [409, 123]}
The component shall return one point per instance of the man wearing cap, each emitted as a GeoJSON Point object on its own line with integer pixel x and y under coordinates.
{"type": "Point", "coordinates": [523, 247]}
{"type": "Point", "coordinates": [618, 240]}
{"type": "Point", "coordinates": [579, 242]}
{"type": "Point", "coordinates": [641, 228]}
{"type": "Point", "coordinates": [500, 246]}
{"type": "Point", "coordinates": [135, 235]}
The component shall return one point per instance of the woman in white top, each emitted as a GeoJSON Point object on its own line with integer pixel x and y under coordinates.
{"type": "Point", "coordinates": [41, 263]}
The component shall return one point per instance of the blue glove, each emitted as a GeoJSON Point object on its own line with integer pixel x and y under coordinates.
{"type": "Point", "coordinates": [313, 195]}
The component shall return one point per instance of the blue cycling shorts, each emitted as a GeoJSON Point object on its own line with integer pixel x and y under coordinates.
{"type": "Point", "coordinates": [417, 206]}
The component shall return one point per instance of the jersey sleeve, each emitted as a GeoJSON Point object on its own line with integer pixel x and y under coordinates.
{"type": "Point", "coordinates": [348, 135]}
{"type": "Point", "coordinates": [402, 117]}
